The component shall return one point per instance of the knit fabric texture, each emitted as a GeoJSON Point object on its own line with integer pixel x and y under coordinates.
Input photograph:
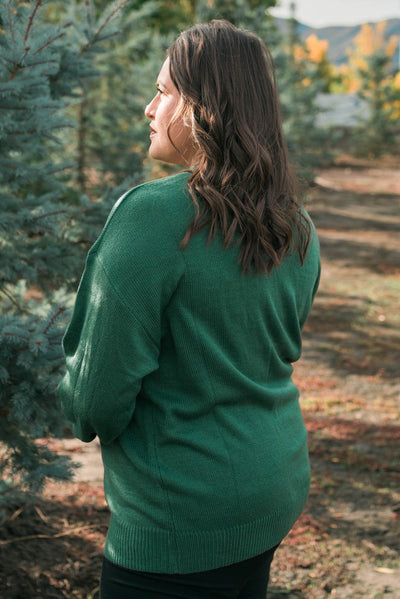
{"type": "Point", "coordinates": [182, 366]}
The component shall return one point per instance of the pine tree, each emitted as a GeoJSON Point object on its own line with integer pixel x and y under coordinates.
{"type": "Point", "coordinates": [300, 82]}
{"type": "Point", "coordinates": [166, 16]}
{"type": "Point", "coordinates": [317, 53]}
{"type": "Point", "coordinates": [251, 14]}
{"type": "Point", "coordinates": [41, 68]}
{"type": "Point", "coordinates": [112, 135]}
{"type": "Point", "coordinates": [375, 83]}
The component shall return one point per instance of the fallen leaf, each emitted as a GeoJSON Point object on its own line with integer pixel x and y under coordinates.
{"type": "Point", "coordinates": [385, 570]}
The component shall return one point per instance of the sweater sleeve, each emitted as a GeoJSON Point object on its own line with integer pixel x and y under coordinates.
{"type": "Point", "coordinates": [114, 337]}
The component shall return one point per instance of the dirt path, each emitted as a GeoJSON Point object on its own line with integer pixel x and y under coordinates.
{"type": "Point", "coordinates": [88, 456]}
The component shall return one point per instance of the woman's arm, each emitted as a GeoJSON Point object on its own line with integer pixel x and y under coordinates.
{"type": "Point", "coordinates": [108, 352]}
{"type": "Point", "coordinates": [114, 336]}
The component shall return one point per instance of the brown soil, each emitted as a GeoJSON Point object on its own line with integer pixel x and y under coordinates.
{"type": "Point", "coordinates": [347, 542]}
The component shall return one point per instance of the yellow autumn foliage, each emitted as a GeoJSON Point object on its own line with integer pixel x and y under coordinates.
{"type": "Point", "coordinates": [369, 40]}
{"type": "Point", "coordinates": [299, 53]}
{"type": "Point", "coordinates": [350, 83]}
{"type": "Point", "coordinates": [316, 48]}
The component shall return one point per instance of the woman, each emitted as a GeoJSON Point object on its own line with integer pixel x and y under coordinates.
{"type": "Point", "coordinates": [187, 321]}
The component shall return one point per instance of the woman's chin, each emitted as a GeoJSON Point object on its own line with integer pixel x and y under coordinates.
{"type": "Point", "coordinates": [157, 154]}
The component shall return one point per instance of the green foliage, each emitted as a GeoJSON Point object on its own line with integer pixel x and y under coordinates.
{"type": "Point", "coordinates": [252, 14]}
{"type": "Point", "coordinates": [112, 136]}
{"type": "Point", "coordinates": [379, 133]}
{"type": "Point", "coordinates": [166, 15]}
{"type": "Point", "coordinates": [42, 66]}
{"type": "Point", "coordinates": [30, 355]}
{"type": "Point", "coordinates": [299, 83]}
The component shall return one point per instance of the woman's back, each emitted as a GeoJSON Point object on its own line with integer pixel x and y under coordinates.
{"type": "Point", "coordinates": [216, 429]}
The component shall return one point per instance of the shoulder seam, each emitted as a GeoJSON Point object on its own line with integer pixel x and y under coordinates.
{"type": "Point", "coordinates": [97, 243]}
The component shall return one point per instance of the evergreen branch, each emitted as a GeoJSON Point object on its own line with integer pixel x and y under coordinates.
{"type": "Point", "coordinates": [10, 297]}
{"type": "Point", "coordinates": [34, 64]}
{"type": "Point", "coordinates": [88, 15]}
{"type": "Point", "coordinates": [56, 358]}
{"type": "Point", "coordinates": [63, 211]}
{"type": "Point", "coordinates": [19, 66]}
{"type": "Point", "coordinates": [111, 16]}
{"type": "Point", "coordinates": [19, 337]}
{"type": "Point", "coordinates": [61, 310]}
{"type": "Point", "coordinates": [13, 107]}
{"type": "Point", "coordinates": [96, 40]}
{"type": "Point", "coordinates": [10, 23]}
{"type": "Point", "coordinates": [28, 131]}
{"type": "Point", "coordinates": [15, 71]}
{"type": "Point", "coordinates": [57, 169]}
{"type": "Point", "coordinates": [33, 131]}
{"type": "Point", "coordinates": [7, 59]}
{"type": "Point", "coordinates": [17, 351]}
{"type": "Point", "coordinates": [53, 138]}
{"type": "Point", "coordinates": [50, 41]}
{"type": "Point", "coordinates": [52, 338]}
{"type": "Point", "coordinates": [49, 107]}
{"type": "Point", "coordinates": [30, 22]}
{"type": "Point", "coordinates": [105, 37]}
{"type": "Point", "coordinates": [107, 20]}
{"type": "Point", "coordinates": [24, 56]}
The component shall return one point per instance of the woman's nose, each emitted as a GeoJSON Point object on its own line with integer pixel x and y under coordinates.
{"type": "Point", "coordinates": [149, 111]}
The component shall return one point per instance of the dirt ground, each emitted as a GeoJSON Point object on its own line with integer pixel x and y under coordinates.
{"type": "Point", "coordinates": [347, 542]}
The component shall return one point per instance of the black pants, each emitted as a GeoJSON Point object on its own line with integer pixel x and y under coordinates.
{"type": "Point", "coordinates": [243, 580]}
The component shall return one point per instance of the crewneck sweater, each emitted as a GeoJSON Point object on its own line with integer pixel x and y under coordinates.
{"type": "Point", "coordinates": [181, 365]}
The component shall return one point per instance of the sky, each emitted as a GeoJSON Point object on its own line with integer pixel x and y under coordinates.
{"type": "Point", "coordinates": [322, 13]}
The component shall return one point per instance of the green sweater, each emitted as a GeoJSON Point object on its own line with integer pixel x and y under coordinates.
{"type": "Point", "coordinates": [182, 366]}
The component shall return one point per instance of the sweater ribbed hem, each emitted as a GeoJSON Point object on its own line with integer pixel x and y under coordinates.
{"type": "Point", "coordinates": [170, 552]}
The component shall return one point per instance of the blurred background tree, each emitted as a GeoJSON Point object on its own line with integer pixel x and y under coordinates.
{"type": "Point", "coordinates": [370, 73]}
{"type": "Point", "coordinates": [302, 75]}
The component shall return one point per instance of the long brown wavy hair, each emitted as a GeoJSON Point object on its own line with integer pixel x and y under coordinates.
{"type": "Point", "coordinates": [242, 183]}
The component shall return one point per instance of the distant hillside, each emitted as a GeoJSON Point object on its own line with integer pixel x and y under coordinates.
{"type": "Point", "coordinates": [340, 38]}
